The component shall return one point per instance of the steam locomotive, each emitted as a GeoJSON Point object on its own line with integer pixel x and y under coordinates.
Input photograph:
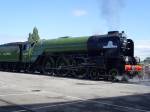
{"type": "Point", "coordinates": [109, 56]}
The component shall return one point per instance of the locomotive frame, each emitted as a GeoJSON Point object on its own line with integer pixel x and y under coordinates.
{"type": "Point", "coordinates": [101, 56]}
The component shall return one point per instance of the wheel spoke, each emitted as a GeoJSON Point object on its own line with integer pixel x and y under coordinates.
{"type": "Point", "coordinates": [94, 74]}
{"type": "Point", "coordinates": [48, 65]}
{"type": "Point", "coordinates": [62, 64]}
{"type": "Point", "coordinates": [81, 73]}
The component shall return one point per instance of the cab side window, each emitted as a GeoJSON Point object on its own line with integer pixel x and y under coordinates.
{"type": "Point", "coordinates": [32, 44]}
{"type": "Point", "coordinates": [26, 47]}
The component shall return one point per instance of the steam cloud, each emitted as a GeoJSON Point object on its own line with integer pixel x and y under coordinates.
{"type": "Point", "coordinates": [110, 11]}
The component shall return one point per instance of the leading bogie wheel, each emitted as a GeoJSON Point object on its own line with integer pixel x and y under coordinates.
{"type": "Point", "coordinates": [113, 74]}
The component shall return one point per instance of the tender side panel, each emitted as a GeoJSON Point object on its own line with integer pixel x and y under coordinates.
{"type": "Point", "coordinates": [9, 53]}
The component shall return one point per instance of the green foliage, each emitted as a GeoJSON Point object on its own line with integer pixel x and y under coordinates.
{"type": "Point", "coordinates": [30, 40]}
{"type": "Point", "coordinates": [34, 37]}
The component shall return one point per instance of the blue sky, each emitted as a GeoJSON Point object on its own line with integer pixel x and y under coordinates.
{"type": "Point", "coordinates": [55, 18]}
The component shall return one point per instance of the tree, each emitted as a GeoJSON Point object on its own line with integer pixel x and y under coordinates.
{"type": "Point", "coordinates": [30, 39]}
{"type": "Point", "coordinates": [35, 35]}
{"type": "Point", "coordinates": [147, 60]}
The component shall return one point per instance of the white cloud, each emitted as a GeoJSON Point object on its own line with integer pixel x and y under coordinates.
{"type": "Point", "coordinates": [142, 44]}
{"type": "Point", "coordinates": [79, 12]}
{"type": "Point", "coordinates": [142, 48]}
{"type": "Point", "coordinates": [11, 38]}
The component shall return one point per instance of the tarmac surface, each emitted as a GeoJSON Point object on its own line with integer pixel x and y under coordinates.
{"type": "Point", "coordinates": [21, 92]}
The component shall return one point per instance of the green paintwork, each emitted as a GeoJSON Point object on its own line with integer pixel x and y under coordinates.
{"type": "Point", "coordinates": [59, 45]}
{"type": "Point", "coordinates": [9, 53]}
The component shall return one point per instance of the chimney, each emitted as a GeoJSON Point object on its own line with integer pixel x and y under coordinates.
{"type": "Point", "coordinates": [113, 32]}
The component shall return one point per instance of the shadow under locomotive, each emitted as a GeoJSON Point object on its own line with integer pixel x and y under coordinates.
{"type": "Point", "coordinates": [109, 57]}
{"type": "Point", "coordinates": [129, 103]}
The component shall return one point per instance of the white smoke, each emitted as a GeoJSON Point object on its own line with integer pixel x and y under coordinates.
{"type": "Point", "coordinates": [4, 38]}
{"type": "Point", "coordinates": [110, 11]}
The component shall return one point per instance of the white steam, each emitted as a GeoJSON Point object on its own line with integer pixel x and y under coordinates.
{"type": "Point", "coordinates": [110, 11]}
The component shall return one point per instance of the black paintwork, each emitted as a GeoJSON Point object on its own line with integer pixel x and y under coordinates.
{"type": "Point", "coordinates": [110, 50]}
